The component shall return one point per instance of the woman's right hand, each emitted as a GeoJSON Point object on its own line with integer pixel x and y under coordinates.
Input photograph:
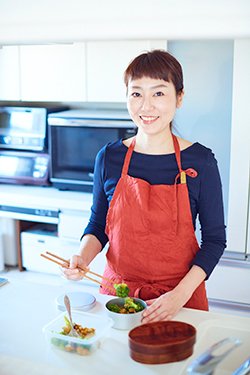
{"type": "Point", "coordinates": [90, 246]}
{"type": "Point", "coordinates": [73, 272]}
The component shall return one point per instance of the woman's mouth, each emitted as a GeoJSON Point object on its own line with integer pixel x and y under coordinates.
{"type": "Point", "coordinates": [148, 119]}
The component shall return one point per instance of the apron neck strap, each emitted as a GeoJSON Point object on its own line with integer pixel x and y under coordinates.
{"type": "Point", "coordinates": [131, 149]}
{"type": "Point", "coordinates": [177, 152]}
{"type": "Point", "coordinates": [128, 157]}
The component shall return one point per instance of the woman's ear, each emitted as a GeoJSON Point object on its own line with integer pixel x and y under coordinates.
{"type": "Point", "coordinates": [179, 99]}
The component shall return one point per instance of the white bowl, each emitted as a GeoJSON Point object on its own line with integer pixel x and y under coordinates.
{"type": "Point", "coordinates": [125, 321]}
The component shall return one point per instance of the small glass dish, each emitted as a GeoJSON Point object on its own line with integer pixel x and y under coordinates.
{"type": "Point", "coordinates": [84, 346]}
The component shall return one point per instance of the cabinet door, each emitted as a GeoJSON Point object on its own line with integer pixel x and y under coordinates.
{"type": "Point", "coordinates": [229, 283]}
{"type": "Point", "coordinates": [248, 230]}
{"type": "Point", "coordinates": [206, 113]}
{"type": "Point", "coordinates": [72, 224]}
{"type": "Point", "coordinates": [240, 150]}
{"type": "Point", "coordinates": [106, 62]}
{"type": "Point", "coordinates": [9, 73]}
{"type": "Point", "coordinates": [53, 73]}
{"type": "Point", "coordinates": [216, 113]}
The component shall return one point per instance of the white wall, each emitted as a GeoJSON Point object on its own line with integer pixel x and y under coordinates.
{"type": "Point", "coordinates": [30, 21]}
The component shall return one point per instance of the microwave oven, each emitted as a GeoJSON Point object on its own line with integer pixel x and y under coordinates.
{"type": "Point", "coordinates": [75, 137]}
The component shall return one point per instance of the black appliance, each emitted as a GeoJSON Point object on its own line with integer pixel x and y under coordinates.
{"type": "Point", "coordinates": [24, 157]}
{"type": "Point", "coordinates": [75, 137]}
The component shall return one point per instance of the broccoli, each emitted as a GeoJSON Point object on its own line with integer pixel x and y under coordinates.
{"type": "Point", "coordinates": [122, 290]}
{"type": "Point", "coordinates": [130, 304]}
{"type": "Point", "coordinates": [114, 307]}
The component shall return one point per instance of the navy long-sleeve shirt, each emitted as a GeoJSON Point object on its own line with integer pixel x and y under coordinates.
{"type": "Point", "coordinates": [205, 192]}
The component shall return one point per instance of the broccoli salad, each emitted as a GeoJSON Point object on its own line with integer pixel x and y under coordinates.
{"type": "Point", "coordinates": [128, 307]}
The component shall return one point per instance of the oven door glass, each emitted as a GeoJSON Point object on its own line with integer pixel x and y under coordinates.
{"type": "Point", "coordinates": [73, 151]}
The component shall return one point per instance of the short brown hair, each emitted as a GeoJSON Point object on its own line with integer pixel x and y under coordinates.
{"type": "Point", "coordinates": [156, 64]}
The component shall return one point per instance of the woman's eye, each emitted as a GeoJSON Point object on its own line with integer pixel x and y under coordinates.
{"type": "Point", "coordinates": [159, 93]}
{"type": "Point", "coordinates": [135, 94]}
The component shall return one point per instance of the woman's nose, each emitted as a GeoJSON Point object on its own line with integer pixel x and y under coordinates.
{"type": "Point", "coordinates": [147, 103]}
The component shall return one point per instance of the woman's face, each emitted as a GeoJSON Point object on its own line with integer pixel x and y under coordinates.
{"type": "Point", "coordinates": [152, 104]}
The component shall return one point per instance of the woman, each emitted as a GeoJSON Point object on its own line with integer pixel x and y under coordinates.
{"type": "Point", "coordinates": [148, 192]}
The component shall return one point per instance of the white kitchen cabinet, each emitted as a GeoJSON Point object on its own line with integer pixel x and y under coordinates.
{"type": "Point", "coordinates": [216, 113]}
{"type": "Point", "coordinates": [239, 189]}
{"type": "Point", "coordinates": [53, 72]}
{"type": "Point", "coordinates": [78, 72]}
{"type": "Point", "coordinates": [229, 284]}
{"type": "Point", "coordinates": [248, 231]}
{"type": "Point", "coordinates": [8, 240]}
{"type": "Point", "coordinates": [72, 223]}
{"type": "Point", "coordinates": [106, 63]}
{"type": "Point", "coordinates": [9, 73]}
{"type": "Point", "coordinates": [70, 229]}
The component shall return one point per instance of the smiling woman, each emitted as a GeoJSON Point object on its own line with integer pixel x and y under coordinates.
{"type": "Point", "coordinates": [154, 91]}
{"type": "Point", "coordinates": [152, 106]}
{"type": "Point", "coordinates": [148, 192]}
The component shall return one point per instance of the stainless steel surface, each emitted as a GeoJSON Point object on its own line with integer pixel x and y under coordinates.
{"type": "Point", "coordinates": [205, 364]}
{"type": "Point", "coordinates": [229, 306]}
{"type": "Point", "coordinates": [244, 369]}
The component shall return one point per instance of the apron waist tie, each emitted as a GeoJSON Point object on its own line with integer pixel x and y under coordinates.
{"type": "Point", "coordinates": [138, 288]}
{"type": "Point", "coordinates": [155, 290]}
{"type": "Point", "coordinates": [149, 291]}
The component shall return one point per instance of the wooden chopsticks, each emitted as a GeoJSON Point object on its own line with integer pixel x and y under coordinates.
{"type": "Point", "coordinates": [65, 263]}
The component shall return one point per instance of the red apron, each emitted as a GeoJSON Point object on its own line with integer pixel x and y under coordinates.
{"type": "Point", "coordinates": [151, 236]}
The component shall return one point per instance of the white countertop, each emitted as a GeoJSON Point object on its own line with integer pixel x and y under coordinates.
{"type": "Point", "coordinates": [44, 197]}
{"type": "Point", "coordinates": [28, 303]}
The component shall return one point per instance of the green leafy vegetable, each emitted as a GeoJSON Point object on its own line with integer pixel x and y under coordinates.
{"type": "Point", "coordinates": [122, 290]}
{"type": "Point", "coordinates": [131, 304]}
{"type": "Point", "coordinates": [114, 307]}
{"type": "Point", "coordinates": [128, 307]}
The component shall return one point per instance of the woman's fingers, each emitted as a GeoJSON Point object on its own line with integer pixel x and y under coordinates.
{"type": "Point", "coordinates": [150, 301]}
{"type": "Point", "coordinates": [72, 273]}
{"type": "Point", "coordinates": [164, 307]}
{"type": "Point", "coordinates": [73, 262]}
{"type": "Point", "coordinates": [156, 314]}
{"type": "Point", "coordinates": [152, 311]}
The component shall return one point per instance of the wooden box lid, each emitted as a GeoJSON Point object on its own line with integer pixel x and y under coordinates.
{"type": "Point", "coordinates": [162, 342]}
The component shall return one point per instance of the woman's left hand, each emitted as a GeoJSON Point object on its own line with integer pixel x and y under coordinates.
{"type": "Point", "coordinates": [169, 304]}
{"type": "Point", "coordinates": [164, 307]}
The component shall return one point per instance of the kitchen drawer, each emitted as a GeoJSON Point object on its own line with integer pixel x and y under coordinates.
{"type": "Point", "coordinates": [42, 238]}
{"type": "Point", "coordinates": [35, 241]}
{"type": "Point", "coordinates": [72, 224]}
{"type": "Point", "coordinates": [229, 282]}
